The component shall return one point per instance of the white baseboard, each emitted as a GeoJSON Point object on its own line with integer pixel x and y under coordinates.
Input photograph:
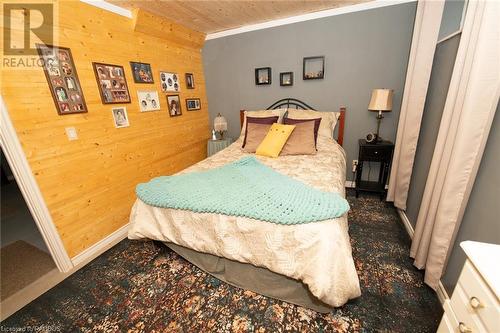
{"type": "Point", "coordinates": [442, 294]}
{"type": "Point", "coordinates": [101, 246]}
{"type": "Point", "coordinates": [406, 222]}
{"type": "Point", "coordinates": [350, 183]}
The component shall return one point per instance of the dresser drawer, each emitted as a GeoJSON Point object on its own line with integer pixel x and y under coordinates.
{"type": "Point", "coordinates": [466, 317]}
{"type": "Point", "coordinates": [478, 298]}
{"type": "Point", "coordinates": [374, 153]}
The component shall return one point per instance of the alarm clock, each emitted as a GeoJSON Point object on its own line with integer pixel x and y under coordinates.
{"type": "Point", "coordinates": [371, 137]}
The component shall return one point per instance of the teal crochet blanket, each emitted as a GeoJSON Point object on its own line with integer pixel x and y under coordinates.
{"type": "Point", "coordinates": [244, 188]}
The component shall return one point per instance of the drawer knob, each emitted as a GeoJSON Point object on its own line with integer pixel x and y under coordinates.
{"type": "Point", "coordinates": [463, 328]}
{"type": "Point", "coordinates": [475, 303]}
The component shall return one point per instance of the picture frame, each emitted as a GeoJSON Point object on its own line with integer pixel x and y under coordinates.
{"type": "Point", "coordinates": [141, 72]}
{"type": "Point", "coordinates": [174, 105]}
{"type": "Point", "coordinates": [170, 82]}
{"type": "Point", "coordinates": [313, 68]}
{"type": "Point", "coordinates": [263, 76]}
{"type": "Point", "coordinates": [112, 83]}
{"type": "Point", "coordinates": [120, 117]}
{"type": "Point", "coordinates": [62, 78]}
{"type": "Point", "coordinates": [193, 104]}
{"type": "Point", "coordinates": [286, 79]}
{"type": "Point", "coordinates": [189, 81]}
{"type": "Point", "coordinates": [148, 100]}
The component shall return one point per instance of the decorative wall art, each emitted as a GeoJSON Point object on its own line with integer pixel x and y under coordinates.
{"type": "Point", "coordinates": [286, 79]}
{"type": "Point", "coordinates": [193, 104]}
{"type": "Point", "coordinates": [112, 83]}
{"type": "Point", "coordinates": [120, 117]}
{"type": "Point", "coordinates": [148, 100]}
{"type": "Point", "coordinates": [174, 105]}
{"type": "Point", "coordinates": [189, 81]}
{"type": "Point", "coordinates": [61, 75]}
{"type": "Point", "coordinates": [169, 82]}
{"type": "Point", "coordinates": [314, 68]}
{"type": "Point", "coordinates": [142, 72]}
{"type": "Point", "coordinates": [263, 75]}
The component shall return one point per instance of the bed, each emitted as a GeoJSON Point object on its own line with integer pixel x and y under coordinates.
{"type": "Point", "coordinates": [306, 264]}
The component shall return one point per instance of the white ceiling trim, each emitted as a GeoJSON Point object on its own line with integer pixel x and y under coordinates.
{"type": "Point", "coordinates": [109, 7]}
{"type": "Point", "coordinates": [307, 17]}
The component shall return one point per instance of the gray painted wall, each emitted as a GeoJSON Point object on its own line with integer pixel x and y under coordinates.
{"type": "Point", "coordinates": [452, 17]}
{"type": "Point", "coordinates": [442, 68]}
{"type": "Point", "coordinates": [481, 219]}
{"type": "Point", "coordinates": [363, 50]}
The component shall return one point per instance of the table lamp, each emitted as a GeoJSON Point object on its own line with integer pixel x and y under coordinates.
{"type": "Point", "coordinates": [220, 125]}
{"type": "Point", "coordinates": [381, 101]}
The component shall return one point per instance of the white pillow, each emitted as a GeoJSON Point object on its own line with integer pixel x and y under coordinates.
{"type": "Point", "coordinates": [328, 119]}
{"type": "Point", "coordinates": [262, 114]}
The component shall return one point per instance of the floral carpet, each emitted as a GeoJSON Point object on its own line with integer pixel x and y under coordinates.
{"type": "Point", "coordinates": [142, 286]}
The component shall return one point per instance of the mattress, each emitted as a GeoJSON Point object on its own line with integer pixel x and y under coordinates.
{"type": "Point", "coordinates": [317, 254]}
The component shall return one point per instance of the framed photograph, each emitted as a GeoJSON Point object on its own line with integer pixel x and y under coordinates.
{"type": "Point", "coordinates": [112, 83]}
{"type": "Point", "coordinates": [189, 80]}
{"type": "Point", "coordinates": [120, 117]}
{"type": "Point", "coordinates": [286, 79]}
{"type": "Point", "coordinates": [263, 76]}
{"type": "Point", "coordinates": [142, 72]}
{"type": "Point", "coordinates": [174, 105]}
{"type": "Point", "coordinates": [148, 100]}
{"type": "Point", "coordinates": [61, 75]}
{"type": "Point", "coordinates": [169, 82]}
{"type": "Point", "coordinates": [313, 68]}
{"type": "Point", "coordinates": [193, 104]}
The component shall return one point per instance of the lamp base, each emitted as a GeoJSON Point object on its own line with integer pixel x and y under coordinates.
{"type": "Point", "coordinates": [377, 135]}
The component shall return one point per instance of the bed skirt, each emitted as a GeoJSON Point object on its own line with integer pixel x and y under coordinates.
{"type": "Point", "coordinates": [250, 277]}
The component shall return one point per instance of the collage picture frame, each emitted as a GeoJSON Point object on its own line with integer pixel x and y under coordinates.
{"type": "Point", "coordinates": [62, 78]}
{"type": "Point", "coordinates": [112, 83]}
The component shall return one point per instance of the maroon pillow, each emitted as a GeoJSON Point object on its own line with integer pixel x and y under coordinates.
{"type": "Point", "coordinates": [255, 120]}
{"type": "Point", "coordinates": [317, 121]}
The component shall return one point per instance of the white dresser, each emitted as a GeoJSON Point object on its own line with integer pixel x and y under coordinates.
{"type": "Point", "coordinates": [474, 305]}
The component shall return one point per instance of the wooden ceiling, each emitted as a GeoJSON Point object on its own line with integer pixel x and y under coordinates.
{"type": "Point", "coordinates": [211, 16]}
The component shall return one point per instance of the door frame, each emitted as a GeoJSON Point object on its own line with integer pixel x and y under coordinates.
{"type": "Point", "coordinates": [31, 192]}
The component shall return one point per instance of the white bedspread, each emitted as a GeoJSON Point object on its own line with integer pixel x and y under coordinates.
{"type": "Point", "coordinates": [317, 253]}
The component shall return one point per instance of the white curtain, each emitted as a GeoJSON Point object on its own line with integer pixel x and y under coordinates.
{"type": "Point", "coordinates": [423, 46]}
{"type": "Point", "coordinates": [468, 113]}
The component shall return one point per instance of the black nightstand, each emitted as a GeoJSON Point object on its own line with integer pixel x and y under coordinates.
{"type": "Point", "coordinates": [374, 152]}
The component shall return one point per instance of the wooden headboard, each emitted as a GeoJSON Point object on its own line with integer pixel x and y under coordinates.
{"type": "Point", "coordinates": [297, 104]}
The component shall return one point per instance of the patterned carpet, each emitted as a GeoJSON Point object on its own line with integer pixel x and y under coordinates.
{"type": "Point", "coordinates": [145, 287]}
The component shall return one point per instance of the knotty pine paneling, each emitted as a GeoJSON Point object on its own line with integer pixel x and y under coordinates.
{"type": "Point", "coordinates": [89, 184]}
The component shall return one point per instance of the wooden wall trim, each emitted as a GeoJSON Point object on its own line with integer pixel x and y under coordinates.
{"type": "Point", "coordinates": [163, 28]}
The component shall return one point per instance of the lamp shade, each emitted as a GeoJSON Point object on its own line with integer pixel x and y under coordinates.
{"type": "Point", "coordinates": [220, 123]}
{"type": "Point", "coordinates": [381, 100]}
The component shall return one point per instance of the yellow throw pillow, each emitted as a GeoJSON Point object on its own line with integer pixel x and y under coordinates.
{"type": "Point", "coordinates": [275, 140]}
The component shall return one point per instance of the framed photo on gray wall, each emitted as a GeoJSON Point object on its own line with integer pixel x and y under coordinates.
{"type": "Point", "coordinates": [286, 79]}
{"type": "Point", "coordinates": [313, 68]}
{"type": "Point", "coordinates": [263, 75]}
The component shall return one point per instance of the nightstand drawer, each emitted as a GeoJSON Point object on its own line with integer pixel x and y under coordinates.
{"type": "Point", "coordinates": [373, 153]}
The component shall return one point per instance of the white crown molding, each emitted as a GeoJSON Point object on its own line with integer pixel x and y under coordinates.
{"type": "Point", "coordinates": [109, 7]}
{"type": "Point", "coordinates": [307, 17]}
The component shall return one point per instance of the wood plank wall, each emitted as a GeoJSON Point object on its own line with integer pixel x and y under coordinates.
{"type": "Point", "coordinates": [89, 184]}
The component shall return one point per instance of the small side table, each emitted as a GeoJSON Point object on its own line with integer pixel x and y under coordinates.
{"type": "Point", "coordinates": [214, 146]}
{"type": "Point", "coordinates": [374, 152]}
